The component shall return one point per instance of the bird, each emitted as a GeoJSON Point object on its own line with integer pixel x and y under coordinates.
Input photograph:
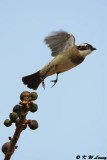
{"type": "Point", "coordinates": [66, 55]}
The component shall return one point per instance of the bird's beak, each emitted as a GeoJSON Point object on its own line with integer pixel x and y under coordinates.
{"type": "Point", "coordinates": [93, 49]}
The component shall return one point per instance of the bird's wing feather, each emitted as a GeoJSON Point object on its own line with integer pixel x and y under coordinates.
{"type": "Point", "coordinates": [59, 42]}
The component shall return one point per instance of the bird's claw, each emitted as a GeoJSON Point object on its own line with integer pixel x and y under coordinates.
{"type": "Point", "coordinates": [55, 81]}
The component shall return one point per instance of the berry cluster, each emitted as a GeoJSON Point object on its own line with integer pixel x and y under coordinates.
{"type": "Point", "coordinates": [18, 116]}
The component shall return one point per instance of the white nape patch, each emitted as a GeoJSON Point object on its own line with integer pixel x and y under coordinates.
{"type": "Point", "coordinates": [83, 44]}
{"type": "Point", "coordinates": [84, 53]}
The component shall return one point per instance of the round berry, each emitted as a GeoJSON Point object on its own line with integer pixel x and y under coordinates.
{"type": "Point", "coordinates": [13, 116]}
{"type": "Point", "coordinates": [33, 125]}
{"type": "Point", "coordinates": [7, 123]}
{"type": "Point", "coordinates": [24, 95]}
{"type": "Point", "coordinates": [33, 107]}
{"type": "Point", "coordinates": [33, 96]}
{"type": "Point", "coordinates": [5, 147]}
{"type": "Point", "coordinates": [17, 109]}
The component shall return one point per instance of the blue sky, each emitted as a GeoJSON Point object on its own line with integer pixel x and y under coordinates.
{"type": "Point", "coordinates": [72, 115]}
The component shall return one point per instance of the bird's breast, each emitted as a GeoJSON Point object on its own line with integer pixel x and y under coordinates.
{"type": "Point", "coordinates": [65, 63]}
{"type": "Point", "coordinates": [76, 59]}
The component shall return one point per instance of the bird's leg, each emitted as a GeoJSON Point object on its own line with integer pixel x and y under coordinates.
{"type": "Point", "coordinates": [55, 81]}
{"type": "Point", "coordinates": [43, 84]}
{"type": "Point", "coordinates": [42, 78]}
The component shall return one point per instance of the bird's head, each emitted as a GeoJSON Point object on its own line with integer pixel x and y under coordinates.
{"type": "Point", "coordinates": [85, 49]}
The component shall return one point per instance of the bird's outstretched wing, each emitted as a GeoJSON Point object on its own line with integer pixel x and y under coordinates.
{"type": "Point", "coordinates": [59, 41]}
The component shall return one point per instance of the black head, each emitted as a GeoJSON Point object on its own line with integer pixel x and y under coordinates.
{"type": "Point", "coordinates": [85, 49]}
{"type": "Point", "coordinates": [85, 46]}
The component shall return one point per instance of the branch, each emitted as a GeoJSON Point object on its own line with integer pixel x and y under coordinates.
{"type": "Point", "coordinates": [18, 116]}
{"type": "Point", "coordinates": [16, 136]}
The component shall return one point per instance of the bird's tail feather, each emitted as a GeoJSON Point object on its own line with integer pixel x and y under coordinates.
{"type": "Point", "coordinates": [32, 81]}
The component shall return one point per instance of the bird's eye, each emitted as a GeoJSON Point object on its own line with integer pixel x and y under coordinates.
{"type": "Point", "coordinates": [80, 47]}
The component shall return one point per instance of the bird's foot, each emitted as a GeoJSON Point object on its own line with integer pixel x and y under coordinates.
{"type": "Point", "coordinates": [55, 81]}
{"type": "Point", "coordinates": [43, 83]}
